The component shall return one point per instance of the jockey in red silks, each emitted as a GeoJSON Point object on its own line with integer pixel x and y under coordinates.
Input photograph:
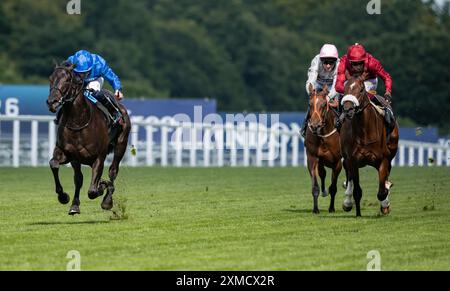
{"type": "Point", "coordinates": [356, 62]}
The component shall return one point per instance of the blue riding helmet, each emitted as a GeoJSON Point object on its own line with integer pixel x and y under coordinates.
{"type": "Point", "coordinates": [83, 61]}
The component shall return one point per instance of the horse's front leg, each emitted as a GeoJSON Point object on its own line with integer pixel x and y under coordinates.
{"type": "Point", "coordinates": [313, 164]}
{"type": "Point", "coordinates": [383, 191]}
{"type": "Point", "coordinates": [97, 171]}
{"type": "Point", "coordinates": [58, 159]}
{"type": "Point", "coordinates": [323, 175]}
{"type": "Point", "coordinates": [333, 187]}
{"type": "Point", "coordinates": [78, 180]}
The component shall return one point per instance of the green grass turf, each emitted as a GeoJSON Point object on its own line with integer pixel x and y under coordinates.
{"type": "Point", "coordinates": [224, 219]}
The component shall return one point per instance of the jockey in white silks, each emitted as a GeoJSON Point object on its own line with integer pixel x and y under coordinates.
{"type": "Point", "coordinates": [323, 71]}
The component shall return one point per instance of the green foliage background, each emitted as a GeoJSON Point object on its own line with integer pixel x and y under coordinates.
{"type": "Point", "coordinates": [248, 54]}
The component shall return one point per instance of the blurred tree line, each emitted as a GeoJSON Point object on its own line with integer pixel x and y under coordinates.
{"type": "Point", "coordinates": [250, 55]}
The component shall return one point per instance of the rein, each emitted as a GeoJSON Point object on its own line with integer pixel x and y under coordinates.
{"type": "Point", "coordinates": [74, 86]}
{"type": "Point", "coordinates": [320, 116]}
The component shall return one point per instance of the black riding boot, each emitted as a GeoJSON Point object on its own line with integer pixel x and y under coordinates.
{"type": "Point", "coordinates": [111, 105]}
{"type": "Point", "coordinates": [305, 123]}
{"type": "Point", "coordinates": [341, 116]}
{"type": "Point", "coordinates": [389, 119]}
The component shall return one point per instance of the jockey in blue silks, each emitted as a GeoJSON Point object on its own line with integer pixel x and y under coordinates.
{"type": "Point", "coordinates": [93, 69]}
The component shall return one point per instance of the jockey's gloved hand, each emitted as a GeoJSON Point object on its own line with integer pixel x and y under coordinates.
{"type": "Point", "coordinates": [388, 97]}
{"type": "Point", "coordinates": [118, 94]}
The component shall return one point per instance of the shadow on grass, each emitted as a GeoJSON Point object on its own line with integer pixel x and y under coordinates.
{"type": "Point", "coordinates": [336, 215]}
{"type": "Point", "coordinates": [68, 222]}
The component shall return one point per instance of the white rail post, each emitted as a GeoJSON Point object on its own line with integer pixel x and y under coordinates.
{"type": "Point", "coordinates": [206, 146]}
{"type": "Point", "coordinates": [284, 142]}
{"type": "Point", "coordinates": [246, 144]}
{"type": "Point", "coordinates": [430, 160]}
{"type": "Point", "coordinates": [402, 156]}
{"type": "Point", "coordinates": [51, 139]}
{"type": "Point", "coordinates": [421, 158]}
{"type": "Point", "coordinates": [164, 144]}
{"type": "Point", "coordinates": [261, 137]}
{"type": "Point", "coordinates": [231, 141]}
{"type": "Point", "coordinates": [179, 146]}
{"type": "Point", "coordinates": [295, 143]}
{"type": "Point", "coordinates": [272, 147]}
{"type": "Point", "coordinates": [16, 143]}
{"type": "Point", "coordinates": [447, 158]}
{"type": "Point", "coordinates": [151, 122]}
{"type": "Point", "coordinates": [219, 144]}
{"type": "Point", "coordinates": [149, 146]}
{"type": "Point", "coordinates": [411, 156]}
{"type": "Point", "coordinates": [439, 157]}
{"type": "Point", "coordinates": [193, 148]}
{"type": "Point", "coordinates": [34, 143]}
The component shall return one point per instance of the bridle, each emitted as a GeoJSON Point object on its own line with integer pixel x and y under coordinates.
{"type": "Point", "coordinates": [75, 88]}
{"type": "Point", "coordinates": [65, 96]}
{"type": "Point", "coordinates": [315, 111]}
{"type": "Point", "coordinates": [358, 108]}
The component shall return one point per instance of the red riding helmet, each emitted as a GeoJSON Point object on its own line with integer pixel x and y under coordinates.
{"type": "Point", "coordinates": [356, 53]}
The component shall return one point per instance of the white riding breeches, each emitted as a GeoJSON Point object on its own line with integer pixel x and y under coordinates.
{"type": "Point", "coordinates": [371, 84]}
{"type": "Point", "coordinates": [96, 85]}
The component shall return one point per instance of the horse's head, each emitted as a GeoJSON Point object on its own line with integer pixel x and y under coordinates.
{"type": "Point", "coordinates": [354, 95]}
{"type": "Point", "coordinates": [63, 81]}
{"type": "Point", "coordinates": [319, 108]}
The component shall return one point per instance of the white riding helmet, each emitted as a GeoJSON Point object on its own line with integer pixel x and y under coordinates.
{"type": "Point", "coordinates": [329, 51]}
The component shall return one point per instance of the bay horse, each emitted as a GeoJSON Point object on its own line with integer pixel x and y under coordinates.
{"type": "Point", "coordinates": [322, 146]}
{"type": "Point", "coordinates": [83, 138]}
{"type": "Point", "coordinates": [365, 141]}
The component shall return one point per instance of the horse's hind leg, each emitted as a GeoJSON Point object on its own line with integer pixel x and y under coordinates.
{"type": "Point", "coordinates": [323, 175]}
{"type": "Point", "coordinates": [333, 187]}
{"type": "Point", "coordinates": [78, 180]}
{"type": "Point", "coordinates": [58, 159]}
{"type": "Point", "coordinates": [97, 171]}
{"type": "Point", "coordinates": [119, 152]}
{"type": "Point", "coordinates": [383, 173]}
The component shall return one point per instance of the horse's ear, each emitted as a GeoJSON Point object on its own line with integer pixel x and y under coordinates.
{"type": "Point", "coordinates": [325, 89]}
{"type": "Point", "coordinates": [55, 62]}
{"type": "Point", "coordinates": [363, 76]}
{"type": "Point", "coordinates": [347, 75]}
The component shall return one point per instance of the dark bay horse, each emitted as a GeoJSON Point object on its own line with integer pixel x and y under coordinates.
{"type": "Point", "coordinates": [83, 138]}
{"type": "Point", "coordinates": [364, 141]}
{"type": "Point", "coordinates": [322, 146]}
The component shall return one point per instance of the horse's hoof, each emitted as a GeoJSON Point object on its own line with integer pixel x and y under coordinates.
{"type": "Point", "coordinates": [347, 208]}
{"type": "Point", "coordinates": [75, 209]}
{"type": "Point", "coordinates": [107, 203]}
{"type": "Point", "coordinates": [386, 210]}
{"type": "Point", "coordinates": [316, 211]}
{"type": "Point", "coordinates": [93, 194]}
{"type": "Point", "coordinates": [64, 198]}
{"type": "Point", "coordinates": [331, 210]}
{"type": "Point", "coordinates": [325, 193]}
{"type": "Point", "coordinates": [344, 185]}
